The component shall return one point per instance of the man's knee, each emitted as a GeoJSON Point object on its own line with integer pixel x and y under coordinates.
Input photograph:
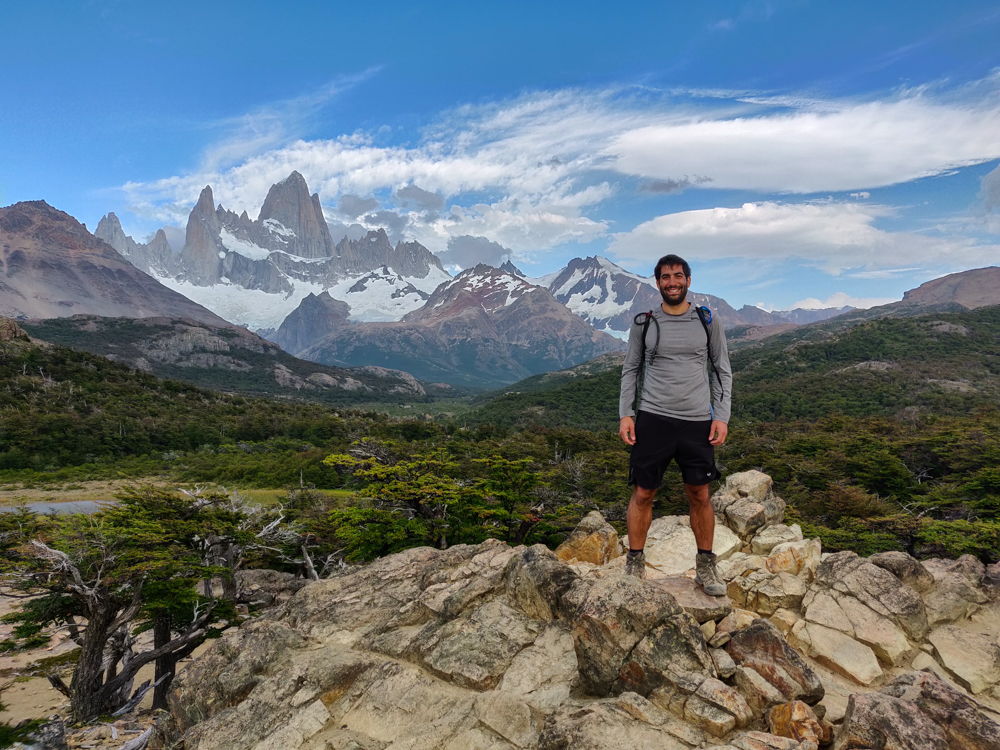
{"type": "Point", "coordinates": [698, 494]}
{"type": "Point", "coordinates": [643, 496]}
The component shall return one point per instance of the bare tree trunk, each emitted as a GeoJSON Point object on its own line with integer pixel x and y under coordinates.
{"type": "Point", "coordinates": [166, 664]}
{"type": "Point", "coordinates": [86, 695]}
{"type": "Point", "coordinates": [310, 568]}
{"type": "Point", "coordinates": [229, 588]}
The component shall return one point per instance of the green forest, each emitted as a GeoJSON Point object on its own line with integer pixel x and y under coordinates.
{"type": "Point", "coordinates": [881, 436]}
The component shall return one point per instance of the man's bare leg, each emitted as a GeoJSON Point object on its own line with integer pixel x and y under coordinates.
{"type": "Point", "coordinates": [640, 516]}
{"type": "Point", "coordinates": [702, 515]}
{"type": "Point", "coordinates": [703, 526]}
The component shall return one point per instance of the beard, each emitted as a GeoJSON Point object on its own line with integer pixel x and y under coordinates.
{"type": "Point", "coordinates": [674, 299]}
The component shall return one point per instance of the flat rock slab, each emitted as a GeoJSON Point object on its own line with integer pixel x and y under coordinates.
{"type": "Point", "coordinates": [693, 599]}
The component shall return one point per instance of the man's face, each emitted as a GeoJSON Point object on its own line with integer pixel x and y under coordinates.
{"type": "Point", "coordinates": [673, 284]}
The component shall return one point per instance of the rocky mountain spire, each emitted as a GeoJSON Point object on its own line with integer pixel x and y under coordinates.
{"type": "Point", "coordinates": [156, 258]}
{"type": "Point", "coordinates": [200, 256]}
{"type": "Point", "coordinates": [289, 204]}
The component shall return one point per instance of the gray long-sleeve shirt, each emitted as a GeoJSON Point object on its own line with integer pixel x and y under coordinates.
{"type": "Point", "coordinates": [677, 382]}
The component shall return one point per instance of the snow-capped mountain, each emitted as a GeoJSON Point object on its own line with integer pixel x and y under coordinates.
{"type": "Point", "coordinates": [608, 297]}
{"type": "Point", "coordinates": [485, 327]}
{"type": "Point", "coordinates": [255, 272]}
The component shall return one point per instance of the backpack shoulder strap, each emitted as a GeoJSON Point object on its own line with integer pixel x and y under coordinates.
{"type": "Point", "coordinates": [642, 319]}
{"type": "Point", "coordinates": [705, 316]}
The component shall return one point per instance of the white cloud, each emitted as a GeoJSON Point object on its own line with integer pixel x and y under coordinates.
{"type": "Point", "coordinates": [845, 147]}
{"type": "Point", "coordinates": [842, 299]}
{"type": "Point", "coordinates": [832, 236]}
{"type": "Point", "coordinates": [529, 172]}
{"type": "Point", "coordinates": [991, 190]}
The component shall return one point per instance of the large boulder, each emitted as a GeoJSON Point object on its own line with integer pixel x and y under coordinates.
{"type": "Point", "coordinates": [972, 659]}
{"type": "Point", "coordinates": [839, 652]}
{"type": "Point", "coordinates": [747, 502]}
{"type": "Point", "coordinates": [845, 573]}
{"type": "Point", "coordinates": [761, 647]}
{"type": "Point", "coordinates": [617, 613]}
{"type": "Point", "coordinates": [855, 619]}
{"type": "Point", "coordinates": [594, 540]}
{"type": "Point", "coordinates": [957, 592]}
{"type": "Point", "coordinates": [541, 585]}
{"type": "Point", "coordinates": [916, 711]}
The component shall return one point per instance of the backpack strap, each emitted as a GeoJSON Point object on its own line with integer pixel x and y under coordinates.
{"type": "Point", "coordinates": [643, 320]}
{"type": "Point", "coordinates": [705, 316]}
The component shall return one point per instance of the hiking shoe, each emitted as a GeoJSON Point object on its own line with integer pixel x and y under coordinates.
{"type": "Point", "coordinates": [635, 565]}
{"type": "Point", "coordinates": [708, 575]}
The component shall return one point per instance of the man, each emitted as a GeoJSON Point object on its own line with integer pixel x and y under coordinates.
{"type": "Point", "coordinates": [683, 414]}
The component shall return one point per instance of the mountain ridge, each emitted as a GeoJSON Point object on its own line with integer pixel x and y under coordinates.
{"type": "Point", "coordinates": [53, 267]}
{"type": "Point", "coordinates": [483, 327]}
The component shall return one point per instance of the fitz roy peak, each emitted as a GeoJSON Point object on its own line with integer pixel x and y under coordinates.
{"type": "Point", "coordinates": [255, 272]}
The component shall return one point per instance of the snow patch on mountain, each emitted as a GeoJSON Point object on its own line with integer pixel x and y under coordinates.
{"type": "Point", "coordinates": [242, 247]}
{"type": "Point", "coordinates": [435, 277]}
{"type": "Point", "coordinates": [251, 308]}
{"type": "Point", "coordinates": [379, 296]}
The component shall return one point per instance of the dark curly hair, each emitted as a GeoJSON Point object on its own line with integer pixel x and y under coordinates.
{"type": "Point", "coordinates": [670, 261]}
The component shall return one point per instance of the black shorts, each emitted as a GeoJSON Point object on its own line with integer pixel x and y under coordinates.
{"type": "Point", "coordinates": [660, 439]}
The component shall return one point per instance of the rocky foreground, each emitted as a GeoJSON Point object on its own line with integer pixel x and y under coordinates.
{"type": "Point", "coordinates": [495, 647]}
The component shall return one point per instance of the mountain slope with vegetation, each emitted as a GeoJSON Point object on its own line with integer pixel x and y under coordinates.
{"type": "Point", "coordinates": [224, 358]}
{"type": "Point", "coordinates": [947, 364]}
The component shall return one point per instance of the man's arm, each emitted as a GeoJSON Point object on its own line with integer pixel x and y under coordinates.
{"type": "Point", "coordinates": [630, 368]}
{"type": "Point", "coordinates": [722, 393]}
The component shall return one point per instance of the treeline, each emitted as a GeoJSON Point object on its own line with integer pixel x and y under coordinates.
{"type": "Point", "coordinates": [916, 478]}
{"type": "Point", "coordinates": [942, 365]}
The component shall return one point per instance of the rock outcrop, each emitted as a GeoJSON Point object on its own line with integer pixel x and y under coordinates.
{"type": "Point", "coordinates": [489, 646]}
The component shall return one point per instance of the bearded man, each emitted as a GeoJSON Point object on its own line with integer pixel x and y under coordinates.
{"type": "Point", "coordinates": [682, 414]}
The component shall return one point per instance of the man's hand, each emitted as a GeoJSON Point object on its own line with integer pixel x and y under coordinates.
{"type": "Point", "coordinates": [626, 428]}
{"type": "Point", "coordinates": [717, 433]}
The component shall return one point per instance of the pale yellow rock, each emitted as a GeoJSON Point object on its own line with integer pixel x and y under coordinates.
{"type": "Point", "coordinates": [843, 654]}
{"type": "Point", "coordinates": [594, 540]}
{"type": "Point", "coordinates": [822, 608]}
{"type": "Point", "coordinates": [708, 629]}
{"type": "Point", "coordinates": [785, 620]}
{"type": "Point", "coordinates": [736, 620]}
{"type": "Point", "coordinates": [799, 558]}
{"type": "Point", "coordinates": [971, 658]}
{"type": "Point", "coordinates": [880, 634]}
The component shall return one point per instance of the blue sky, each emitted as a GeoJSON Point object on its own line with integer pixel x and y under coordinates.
{"type": "Point", "coordinates": [793, 151]}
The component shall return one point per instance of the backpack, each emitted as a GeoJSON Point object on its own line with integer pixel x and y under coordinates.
{"type": "Point", "coordinates": [704, 315]}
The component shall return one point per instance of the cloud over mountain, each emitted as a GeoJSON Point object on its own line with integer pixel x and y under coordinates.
{"type": "Point", "coordinates": [540, 171]}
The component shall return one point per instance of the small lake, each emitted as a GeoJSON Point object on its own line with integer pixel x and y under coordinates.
{"type": "Point", "coordinates": [73, 506]}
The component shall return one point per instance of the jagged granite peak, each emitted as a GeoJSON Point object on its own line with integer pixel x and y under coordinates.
{"type": "Point", "coordinates": [978, 287]}
{"type": "Point", "coordinates": [52, 267]}
{"type": "Point", "coordinates": [156, 258]}
{"type": "Point", "coordinates": [289, 204]}
{"type": "Point", "coordinates": [200, 256]}
{"type": "Point", "coordinates": [287, 253]}
{"type": "Point", "coordinates": [313, 319]}
{"type": "Point", "coordinates": [413, 259]}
